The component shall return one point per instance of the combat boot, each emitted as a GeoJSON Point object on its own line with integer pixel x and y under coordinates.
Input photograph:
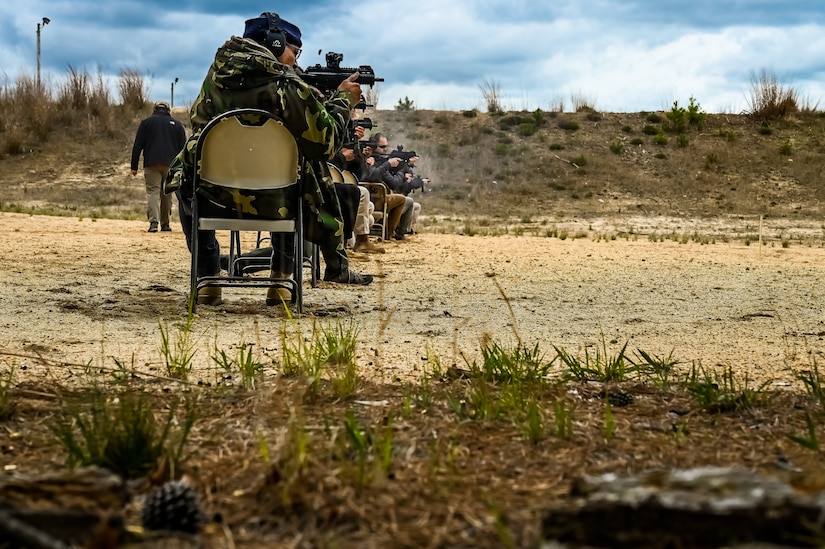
{"type": "Point", "coordinates": [347, 277]}
{"type": "Point", "coordinates": [363, 245]}
{"type": "Point", "coordinates": [278, 295]}
{"type": "Point", "coordinates": [210, 295]}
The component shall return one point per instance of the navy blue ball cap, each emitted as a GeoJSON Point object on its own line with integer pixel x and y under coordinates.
{"type": "Point", "coordinates": [293, 33]}
{"type": "Point", "coordinates": [257, 28]}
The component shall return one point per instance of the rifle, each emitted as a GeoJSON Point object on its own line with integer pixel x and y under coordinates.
{"type": "Point", "coordinates": [327, 78]}
{"type": "Point", "coordinates": [365, 123]}
{"type": "Point", "coordinates": [419, 182]}
{"type": "Point", "coordinates": [363, 105]}
{"type": "Point", "coordinates": [399, 152]}
{"type": "Point", "coordinates": [352, 138]}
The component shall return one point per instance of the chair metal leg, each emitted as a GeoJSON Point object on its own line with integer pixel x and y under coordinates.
{"type": "Point", "coordinates": [261, 239]}
{"type": "Point", "coordinates": [316, 265]}
{"type": "Point", "coordinates": [312, 260]}
{"type": "Point", "coordinates": [234, 252]}
{"type": "Point", "coordinates": [193, 273]}
{"type": "Point", "coordinates": [298, 266]}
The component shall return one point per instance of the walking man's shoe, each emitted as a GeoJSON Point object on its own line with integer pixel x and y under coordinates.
{"type": "Point", "coordinates": [166, 228]}
{"type": "Point", "coordinates": [153, 228]}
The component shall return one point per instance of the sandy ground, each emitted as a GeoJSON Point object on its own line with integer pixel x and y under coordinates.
{"type": "Point", "coordinates": [82, 291]}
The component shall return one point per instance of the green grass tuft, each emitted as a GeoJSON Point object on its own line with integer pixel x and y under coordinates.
{"type": "Point", "coordinates": [120, 432]}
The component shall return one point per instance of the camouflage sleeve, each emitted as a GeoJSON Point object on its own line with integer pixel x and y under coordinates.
{"type": "Point", "coordinates": [339, 106]}
{"type": "Point", "coordinates": [319, 128]}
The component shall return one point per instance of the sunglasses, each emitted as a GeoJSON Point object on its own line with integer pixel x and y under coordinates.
{"type": "Point", "coordinates": [381, 146]}
{"type": "Point", "coordinates": [296, 50]}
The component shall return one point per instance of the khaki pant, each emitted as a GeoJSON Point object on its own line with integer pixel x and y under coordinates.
{"type": "Point", "coordinates": [158, 204]}
{"type": "Point", "coordinates": [364, 219]}
{"type": "Point", "coordinates": [416, 212]}
{"type": "Point", "coordinates": [395, 208]}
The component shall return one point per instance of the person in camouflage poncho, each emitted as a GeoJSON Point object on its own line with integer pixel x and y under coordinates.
{"type": "Point", "coordinates": [246, 74]}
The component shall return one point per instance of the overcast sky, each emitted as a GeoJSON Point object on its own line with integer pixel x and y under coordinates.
{"type": "Point", "coordinates": [619, 55]}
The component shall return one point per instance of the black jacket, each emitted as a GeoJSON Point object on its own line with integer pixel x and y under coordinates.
{"type": "Point", "coordinates": [160, 137]}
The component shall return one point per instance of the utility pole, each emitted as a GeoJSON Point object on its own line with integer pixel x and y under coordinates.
{"type": "Point", "coordinates": [45, 22]}
{"type": "Point", "coordinates": [172, 99]}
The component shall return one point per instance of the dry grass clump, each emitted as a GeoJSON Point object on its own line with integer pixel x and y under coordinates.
{"type": "Point", "coordinates": [27, 111]}
{"type": "Point", "coordinates": [491, 92]}
{"type": "Point", "coordinates": [770, 99]}
{"type": "Point", "coordinates": [582, 103]}
{"type": "Point", "coordinates": [81, 103]}
{"type": "Point", "coordinates": [133, 91]}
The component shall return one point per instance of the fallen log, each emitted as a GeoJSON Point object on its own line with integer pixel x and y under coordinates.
{"type": "Point", "coordinates": [68, 507]}
{"type": "Point", "coordinates": [19, 533]}
{"type": "Point", "coordinates": [697, 508]}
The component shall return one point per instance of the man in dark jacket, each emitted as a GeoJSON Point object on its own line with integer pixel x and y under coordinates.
{"type": "Point", "coordinates": [381, 167]}
{"type": "Point", "coordinates": [160, 138]}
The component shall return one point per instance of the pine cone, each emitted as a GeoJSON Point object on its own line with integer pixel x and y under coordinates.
{"type": "Point", "coordinates": [173, 506]}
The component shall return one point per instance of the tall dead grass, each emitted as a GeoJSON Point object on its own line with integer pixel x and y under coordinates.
{"type": "Point", "coordinates": [770, 99]}
{"type": "Point", "coordinates": [582, 103]}
{"type": "Point", "coordinates": [132, 88]}
{"type": "Point", "coordinates": [491, 92]}
{"type": "Point", "coordinates": [371, 96]}
{"type": "Point", "coordinates": [29, 113]}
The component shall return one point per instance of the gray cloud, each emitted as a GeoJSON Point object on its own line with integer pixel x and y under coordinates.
{"type": "Point", "coordinates": [622, 55]}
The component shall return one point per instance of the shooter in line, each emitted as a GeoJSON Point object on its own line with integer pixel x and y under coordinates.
{"type": "Point", "coordinates": [257, 71]}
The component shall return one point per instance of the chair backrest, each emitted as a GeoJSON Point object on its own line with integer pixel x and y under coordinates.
{"type": "Point", "coordinates": [349, 177]}
{"type": "Point", "coordinates": [248, 149]}
{"type": "Point", "coordinates": [378, 194]}
{"type": "Point", "coordinates": [337, 175]}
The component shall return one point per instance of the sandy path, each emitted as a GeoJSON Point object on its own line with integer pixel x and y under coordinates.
{"type": "Point", "coordinates": [83, 290]}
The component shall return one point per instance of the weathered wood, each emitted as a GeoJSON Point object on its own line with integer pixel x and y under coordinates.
{"type": "Point", "coordinates": [88, 488]}
{"type": "Point", "coordinates": [54, 509]}
{"type": "Point", "coordinates": [698, 508]}
{"type": "Point", "coordinates": [98, 530]}
{"type": "Point", "coordinates": [20, 533]}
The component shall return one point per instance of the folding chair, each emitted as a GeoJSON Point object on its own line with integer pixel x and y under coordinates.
{"type": "Point", "coordinates": [378, 197]}
{"type": "Point", "coordinates": [248, 149]}
{"type": "Point", "coordinates": [378, 194]}
{"type": "Point", "coordinates": [336, 173]}
{"type": "Point", "coordinates": [349, 177]}
{"type": "Point", "coordinates": [339, 175]}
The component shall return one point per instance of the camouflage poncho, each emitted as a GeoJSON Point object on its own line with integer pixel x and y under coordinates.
{"type": "Point", "coordinates": [245, 74]}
